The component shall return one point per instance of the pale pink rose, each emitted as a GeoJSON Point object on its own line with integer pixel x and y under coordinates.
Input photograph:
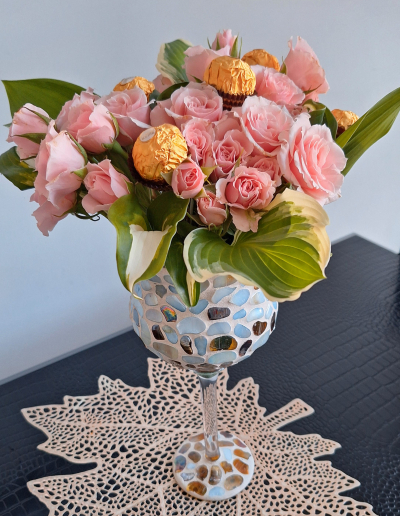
{"type": "Point", "coordinates": [210, 210]}
{"type": "Point", "coordinates": [312, 161]}
{"type": "Point", "coordinates": [132, 111]}
{"type": "Point", "coordinates": [264, 121]}
{"type": "Point", "coordinates": [266, 164]}
{"type": "Point", "coordinates": [195, 101]}
{"type": "Point", "coordinates": [158, 115]}
{"type": "Point", "coordinates": [104, 185]}
{"type": "Point", "coordinates": [248, 190]}
{"type": "Point", "coordinates": [198, 58]}
{"type": "Point", "coordinates": [276, 86]}
{"type": "Point", "coordinates": [227, 151]}
{"type": "Point", "coordinates": [25, 121]}
{"type": "Point", "coordinates": [226, 38]}
{"type": "Point", "coordinates": [187, 180]}
{"type": "Point", "coordinates": [90, 124]}
{"type": "Point", "coordinates": [161, 83]}
{"type": "Point", "coordinates": [56, 183]}
{"type": "Point", "coordinates": [302, 66]}
{"type": "Point", "coordinates": [199, 137]}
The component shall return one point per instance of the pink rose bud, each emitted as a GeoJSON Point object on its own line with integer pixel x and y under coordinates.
{"type": "Point", "coordinates": [302, 66]}
{"type": "Point", "coordinates": [187, 180]}
{"type": "Point", "coordinates": [210, 210]}
{"type": "Point", "coordinates": [277, 87]}
{"type": "Point", "coordinates": [104, 185]}
{"type": "Point", "coordinates": [198, 58]}
{"type": "Point", "coordinates": [266, 164]}
{"type": "Point", "coordinates": [226, 38]}
{"type": "Point", "coordinates": [199, 137]}
{"type": "Point", "coordinates": [132, 111]}
{"type": "Point", "coordinates": [247, 190]}
{"type": "Point", "coordinates": [26, 121]}
{"type": "Point", "coordinates": [91, 125]}
{"type": "Point", "coordinates": [312, 161]}
{"type": "Point", "coordinates": [161, 83]}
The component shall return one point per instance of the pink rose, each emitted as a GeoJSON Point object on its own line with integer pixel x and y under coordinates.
{"type": "Point", "coordinates": [104, 185]}
{"type": "Point", "coordinates": [210, 210]}
{"type": "Point", "coordinates": [312, 161]}
{"type": "Point", "coordinates": [224, 39]}
{"type": "Point", "coordinates": [132, 111]}
{"type": "Point", "coordinates": [266, 164]}
{"type": "Point", "coordinates": [91, 125]}
{"type": "Point", "coordinates": [264, 121]}
{"type": "Point", "coordinates": [26, 121]}
{"type": "Point", "coordinates": [198, 58]}
{"type": "Point", "coordinates": [302, 66]}
{"type": "Point", "coordinates": [247, 190]}
{"type": "Point", "coordinates": [158, 115]}
{"type": "Point", "coordinates": [56, 183]}
{"type": "Point", "coordinates": [199, 137]}
{"type": "Point", "coordinates": [161, 83]}
{"type": "Point", "coordinates": [276, 86]}
{"type": "Point", "coordinates": [187, 180]}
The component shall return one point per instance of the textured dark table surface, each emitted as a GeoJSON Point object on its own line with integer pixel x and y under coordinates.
{"type": "Point", "coordinates": [337, 348]}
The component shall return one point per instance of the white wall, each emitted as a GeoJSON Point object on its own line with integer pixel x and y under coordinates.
{"type": "Point", "coordinates": [60, 293]}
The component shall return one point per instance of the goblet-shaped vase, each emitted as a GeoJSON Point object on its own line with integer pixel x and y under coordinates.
{"type": "Point", "coordinates": [229, 322]}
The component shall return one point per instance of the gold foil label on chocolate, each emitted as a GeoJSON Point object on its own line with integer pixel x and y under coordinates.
{"type": "Point", "coordinates": [147, 134]}
{"type": "Point", "coordinates": [261, 57]}
{"type": "Point", "coordinates": [130, 82]}
{"type": "Point", "coordinates": [230, 75]}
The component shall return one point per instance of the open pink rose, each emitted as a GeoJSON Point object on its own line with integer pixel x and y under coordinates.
{"type": "Point", "coordinates": [104, 185]}
{"type": "Point", "coordinates": [227, 151]}
{"type": "Point", "coordinates": [56, 183]}
{"type": "Point", "coordinates": [226, 38]}
{"type": "Point", "coordinates": [266, 164]}
{"type": "Point", "coordinates": [277, 86]}
{"type": "Point", "coordinates": [312, 161]}
{"type": "Point", "coordinates": [26, 121]}
{"type": "Point", "coordinates": [210, 210]}
{"type": "Point", "coordinates": [161, 83]}
{"type": "Point", "coordinates": [90, 124]}
{"type": "Point", "coordinates": [198, 58]}
{"type": "Point", "coordinates": [264, 121]}
{"type": "Point", "coordinates": [158, 115]}
{"type": "Point", "coordinates": [187, 180]}
{"type": "Point", "coordinates": [132, 111]}
{"type": "Point", "coordinates": [199, 137]}
{"type": "Point", "coordinates": [248, 190]}
{"type": "Point", "coordinates": [302, 66]}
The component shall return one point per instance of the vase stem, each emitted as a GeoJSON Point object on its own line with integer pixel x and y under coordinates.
{"type": "Point", "coordinates": [208, 385]}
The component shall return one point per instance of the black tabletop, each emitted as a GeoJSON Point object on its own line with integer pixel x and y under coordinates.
{"type": "Point", "coordinates": [337, 348]}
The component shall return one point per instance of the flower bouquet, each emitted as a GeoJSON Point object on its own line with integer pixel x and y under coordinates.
{"type": "Point", "coordinates": [214, 175]}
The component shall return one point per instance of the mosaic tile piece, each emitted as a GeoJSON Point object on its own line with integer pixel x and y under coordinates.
{"type": "Point", "coordinates": [257, 298]}
{"type": "Point", "coordinates": [186, 344]}
{"type": "Point", "coordinates": [223, 281]}
{"type": "Point", "coordinates": [204, 286]}
{"type": "Point", "coordinates": [180, 463]}
{"type": "Point", "coordinates": [169, 313]}
{"type": "Point", "coordinates": [171, 334]}
{"type": "Point", "coordinates": [145, 284]}
{"type": "Point", "coordinates": [161, 290]}
{"type": "Point", "coordinates": [136, 303]}
{"type": "Point", "coordinates": [224, 356]}
{"type": "Point", "coordinates": [191, 465]}
{"type": "Point", "coordinates": [239, 443]}
{"type": "Point", "coordinates": [242, 467]}
{"type": "Point", "coordinates": [275, 305]}
{"type": "Point", "coordinates": [158, 334]}
{"type": "Point", "coordinates": [240, 297]}
{"type": "Point", "coordinates": [207, 368]}
{"type": "Point", "coordinates": [184, 448]}
{"type": "Point", "coordinates": [173, 289]}
{"type": "Point", "coordinates": [194, 456]}
{"type": "Point", "coordinates": [145, 333]}
{"type": "Point", "coordinates": [241, 453]}
{"type": "Point", "coordinates": [187, 476]}
{"type": "Point", "coordinates": [155, 279]}
{"type": "Point", "coordinates": [224, 444]}
{"type": "Point", "coordinates": [226, 433]}
{"type": "Point", "coordinates": [259, 327]}
{"type": "Point", "coordinates": [136, 330]}
{"type": "Point", "coordinates": [166, 350]}
{"type": "Point", "coordinates": [268, 311]}
{"type": "Point", "coordinates": [201, 305]}
{"type": "Point", "coordinates": [202, 472]}
{"type": "Point", "coordinates": [137, 289]}
{"type": "Point", "coordinates": [226, 466]}
{"type": "Point", "coordinates": [216, 491]}
{"type": "Point", "coordinates": [215, 475]}
{"type": "Point", "coordinates": [221, 293]}
{"type": "Point", "coordinates": [244, 348]}
{"type": "Point", "coordinates": [193, 360]}
{"type": "Point", "coordinates": [227, 454]}
{"type": "Point", "coordinates": [197, 487]}
{"type": "Point", "coordinates": [232, 482]}
{"type": "Point", "coordinates": [174, 301]}
{"type": "Point", "coordinates": [135, 316]}
{"type": "Point", "coordinates": [191, 325]}
{"type": "Point", "coordinates": [168, 279]}
{"type": "Point", "coordinates": [218, 328]}
{"type": "Point", "coordinates": [261, 341]}
{"type": "Point", "coordinates": [201, 345]}
{"type": "Point", "coordinates": [216, 312]}
{"type": "Point", "coordinates": [273, 320]}
{"type": "Point", "coordinates": [153, 315]}
{"type": "Point", "coordinates": [199, 447]}
{"type": "Point", "coordinates": [240, 314]}
{"type": "Point", "coordinates": [226, 342]}
{"type": "Point", "coordinates": [241, 331]}
{"type": "Point", "coordinates": [256, 313]}
{"type": "Point", "coordinates": [196, 438]}
{"type": "Point", "coordinates": [151, 300]}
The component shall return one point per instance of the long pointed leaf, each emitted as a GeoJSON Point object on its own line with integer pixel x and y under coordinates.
{"type": "Point", "coordinates": [16, 171]}
{"type": "Point", "coordinates": [171, 58]}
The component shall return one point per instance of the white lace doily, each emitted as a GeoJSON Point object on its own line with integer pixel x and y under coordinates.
{"type": "Point", "coordinates": [131, 433]}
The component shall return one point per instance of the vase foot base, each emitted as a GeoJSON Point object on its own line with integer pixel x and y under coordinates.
{"type": "Point", "coordinates": [213, 480]}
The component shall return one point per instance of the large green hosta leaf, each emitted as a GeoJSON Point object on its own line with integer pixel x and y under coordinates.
{"type": "Point", "coordinates": [16, 171]}
{"type": "Point", "coordinates": [171, 59]}
{"type": "Point", "coordinates": [286, 256]}
{"type": "Point", "coordinates": [143, 239]}
{"type": "Point", "coordinates": [48, 94]}
{"type": "Point", "coordinates": [369, 128]}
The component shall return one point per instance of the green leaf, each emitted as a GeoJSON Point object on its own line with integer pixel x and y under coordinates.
{"type": "Point", "coordinates": [171, 58]}
{"type": "Point", "coordinates": [370, 128]}
{"type": "Point", "coordinates": [286, 256]}
{"type": "Point", "coordinates": [166, 94]}
{"type": "Point", "coordinates": [188, 289]}
{"type": "Point", "coordinates": [33, 137]}
{"type": "Point", "coordinates": [16, 171]}
{"type": "Point", "coordinates": [235, 47]}
{"type": "Point", "coordinates": [48, 94]}
{"type": "Point", "coordinates": [317, 117]}
{"type": "Point", "coordinates": [321, 115]}
{"type": "Point", "coordinates": [143, 195]}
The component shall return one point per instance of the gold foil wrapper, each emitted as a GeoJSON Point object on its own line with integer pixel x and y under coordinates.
{"type": "Point", "coordinates": [344, 119]}
{"type": "Point", "coordinates": [142, 83]}
{"type": "Point", "coordinates": [261, 57]}
{"type": "Point", "coordinates": [159, 150]}
{"type": "Point", "coordinates": [230, 75]}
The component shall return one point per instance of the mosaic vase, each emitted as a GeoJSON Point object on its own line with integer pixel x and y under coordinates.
{"type": "Point", "coordinates": [228, 324]}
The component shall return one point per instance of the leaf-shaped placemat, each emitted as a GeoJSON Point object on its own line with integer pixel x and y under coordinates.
{"type": "Point", "coordinates": [132, 434]}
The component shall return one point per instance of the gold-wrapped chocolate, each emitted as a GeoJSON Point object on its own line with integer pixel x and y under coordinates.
{"type": "Point", "coordinates": [261, 57]}
{"type": "Point", "coordinates": [158, 150]}
{"type": "Point", "coordinates": [344, 119]}
{"type": "Point", "coordinates": [142, 83]}
{"type": "Point", "coordinates": [233, 79]}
